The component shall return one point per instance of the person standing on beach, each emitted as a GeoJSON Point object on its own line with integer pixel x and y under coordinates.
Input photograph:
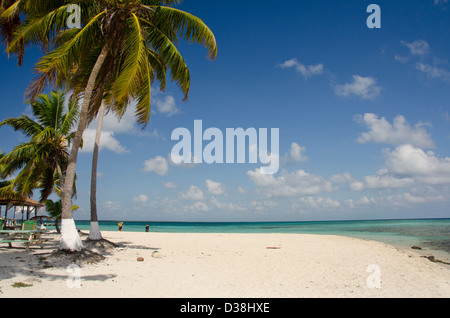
{"type": "Point", "coordinates": [120, 226]}
{"type": "Point", "coordinates": [146, 227]}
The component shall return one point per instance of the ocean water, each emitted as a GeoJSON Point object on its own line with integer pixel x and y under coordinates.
{"type": "Point", "coordinates": [430, 234]}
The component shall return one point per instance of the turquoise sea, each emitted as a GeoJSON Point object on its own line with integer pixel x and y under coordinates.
{"type": "Point", "coordinates": [430, 234]}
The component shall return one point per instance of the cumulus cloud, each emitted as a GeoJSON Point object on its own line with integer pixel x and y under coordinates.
{"type": "Point", "coordinates": [295, 154]}
{"type": "Point", "coordinates": [341, 178]}
{"type": "Point", "coordinates": [170, 185]}
{"type": "Point", "coordinates": [194, 194]}
{"type": "Point", "coordinates": [241, 190]}
{"type": "Point", "coordinates": [112, 205]}
{"type": "Point", "coordinates": [141, 198]}
{"type": "Point", "coordinates": [397, 133]}
{"type": "Point", "coordinates": [408, 160]}
{"type": "Point", "coordinates": [381, 182]}
{"type": "Point", "coordinates": [319, 202]}
{"type": "Point", "coordinates": [419, 47]}
{"type": "Point", "coordinates": [407, 166]}
{"type": "Point", "coordinates": [362, 87]}
{"type": "Point", "coordinates": [112, 127]}
{"type": "Point", "coordinates": [158, 165]}
{"type": "Point", "coordinates": [440, 2]}
{"type": "Point", "coordinates": [306, 70]}
{"type": "Point", "coordinates": [433, 71]}
{"type": "Point", "coordinates": [167, 106]}
{"type": "Point", "coordinates": [107, 141]}
{"type": "Point", "coordinates": [199, 206]}
{"type": "Point", "coordinates": [228, 206]}
{"type": "Point", "coordinates": [296, 183]}
{"type": "Point", "coordinates": [215, 187]}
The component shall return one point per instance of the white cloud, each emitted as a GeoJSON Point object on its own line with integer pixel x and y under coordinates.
{"type": "Point", "coordinates": [341, 178]}
{"type": "Point", "coordinates": [111, 127]}
{"type": "Point", "coordinates": [141, 198]}
{"type": "Point", "coordinates": [305, 70]}
{"type": "Point", "coordinates": [407, 166]}
{"type": "Point", "coordinates": [262, 180]}
{"type": "Point", "coordinates": [408, 160]}
{"type": "Point", "coordinates": [111, 205]}
{"type": "Point", "coordinates": [241, 190]}
{"type": "Point", "coordinates": [167, 106]}
{"type": "Point", "coordinates": [215, 187]}
{"type": "Point", "coordinates": [419, 47]}
{"type": "Point", "coordinates": [433, 71]}
{"type": "Point", "coordinates": [170, 185]}
{"type": "Point", "coordinates": [362, 87]}
{"type": "Point", "coordinates": [177, 160]}
{"type": "Point", "coordinates": [296, 183]}
{"type": "Point", "coordinates": [157, 165]}
{"type": "Point", "coordinates": [381, 182]}
{"type": "Point", "coordinates": [228, 206]}
{"type": "Point", "coordinates": [194, 194]}
{"type": "Point", "coordinates": [440, 2]}
{"type": "Point", "coordinates": [199, 206]}
{"type": "Point", "coordinates": [295, 154]}
{"type": "Point", "coordinates": [400, 132]}
{"type": "Point", "coordinates": [401, 59]}
{"type": "Point", "coordinates": [107, 141]}
{"type": "Point", "coordinates": [319, 202]}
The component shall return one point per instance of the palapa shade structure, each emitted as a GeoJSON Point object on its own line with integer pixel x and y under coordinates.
{"type": "Point", "coordinates": [30, 204]}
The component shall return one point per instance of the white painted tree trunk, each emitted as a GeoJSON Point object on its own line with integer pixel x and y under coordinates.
{"type": "Point", "coordinates": [70, 240]}
{"type": "Point", "coordinates": [94, 232]}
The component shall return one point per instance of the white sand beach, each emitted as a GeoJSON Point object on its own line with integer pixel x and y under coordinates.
{"type": "Point", "coordinates": [226, 266]}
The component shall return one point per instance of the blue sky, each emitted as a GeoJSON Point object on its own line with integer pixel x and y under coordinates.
{"type": "Point", "coordinates": [363, 114]}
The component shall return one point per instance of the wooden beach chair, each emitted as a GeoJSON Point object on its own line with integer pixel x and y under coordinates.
{"type": "Point", "coordinates": [28, 226]}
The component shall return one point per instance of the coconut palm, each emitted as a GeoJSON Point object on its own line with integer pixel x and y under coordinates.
{"type": "Point", "coordinates": [6, 186]}
{"type": "Point", "coordinates": [136, 35]}
{"type": "Point", "coordinates": [9, 22]}
{"type": "Point", "coordinates": [43, 159]}
{"type": "Point", "coordinates": [54, 210]}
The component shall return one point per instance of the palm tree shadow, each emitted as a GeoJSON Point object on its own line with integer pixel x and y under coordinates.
{"type": "Point", "coordinates": [131, 245]}
{"type": "Point", "coordinates": [32, 267]}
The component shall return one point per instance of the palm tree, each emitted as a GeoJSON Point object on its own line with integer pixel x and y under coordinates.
{"type": "Point", "coordinates": [42, 160]}
{"type": "Point", "coordinates": [8, 26]}
{"type": "Point", "coordinates": [54, 210]}
{"type": "Point", "coordinates": [136, 35]}
{"type": "Point", "coordinates": [94, 233]}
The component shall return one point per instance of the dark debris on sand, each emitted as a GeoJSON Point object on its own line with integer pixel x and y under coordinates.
{"type": "Point", "coordinates": [93, 252]}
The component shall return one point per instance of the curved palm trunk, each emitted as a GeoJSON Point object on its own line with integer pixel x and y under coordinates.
{"type": "Point", "coordinates": [95, 234]}
{"type": "Point", "coordinates": [70, 239]}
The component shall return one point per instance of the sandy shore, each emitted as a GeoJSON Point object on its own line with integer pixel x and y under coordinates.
{"type": "Point", "coordinates": [226, 266]}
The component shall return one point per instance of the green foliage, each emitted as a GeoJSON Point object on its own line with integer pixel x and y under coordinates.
{"type": "Point", "coordinates": [141, 37]}
{"type": "Point", "coordinates": [39, 159]}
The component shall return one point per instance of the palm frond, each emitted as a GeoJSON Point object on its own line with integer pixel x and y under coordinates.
{"type": "Point", "coordinates": [191, 27]}
{"type": "Point", "coordinates": [172, 58]}
{"type": "Point", "coordinates": [134, 63]}
{"type": "Point", "coordinates": [55, 67]}
{"type": "Point", "coordinates": [23, 123]}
